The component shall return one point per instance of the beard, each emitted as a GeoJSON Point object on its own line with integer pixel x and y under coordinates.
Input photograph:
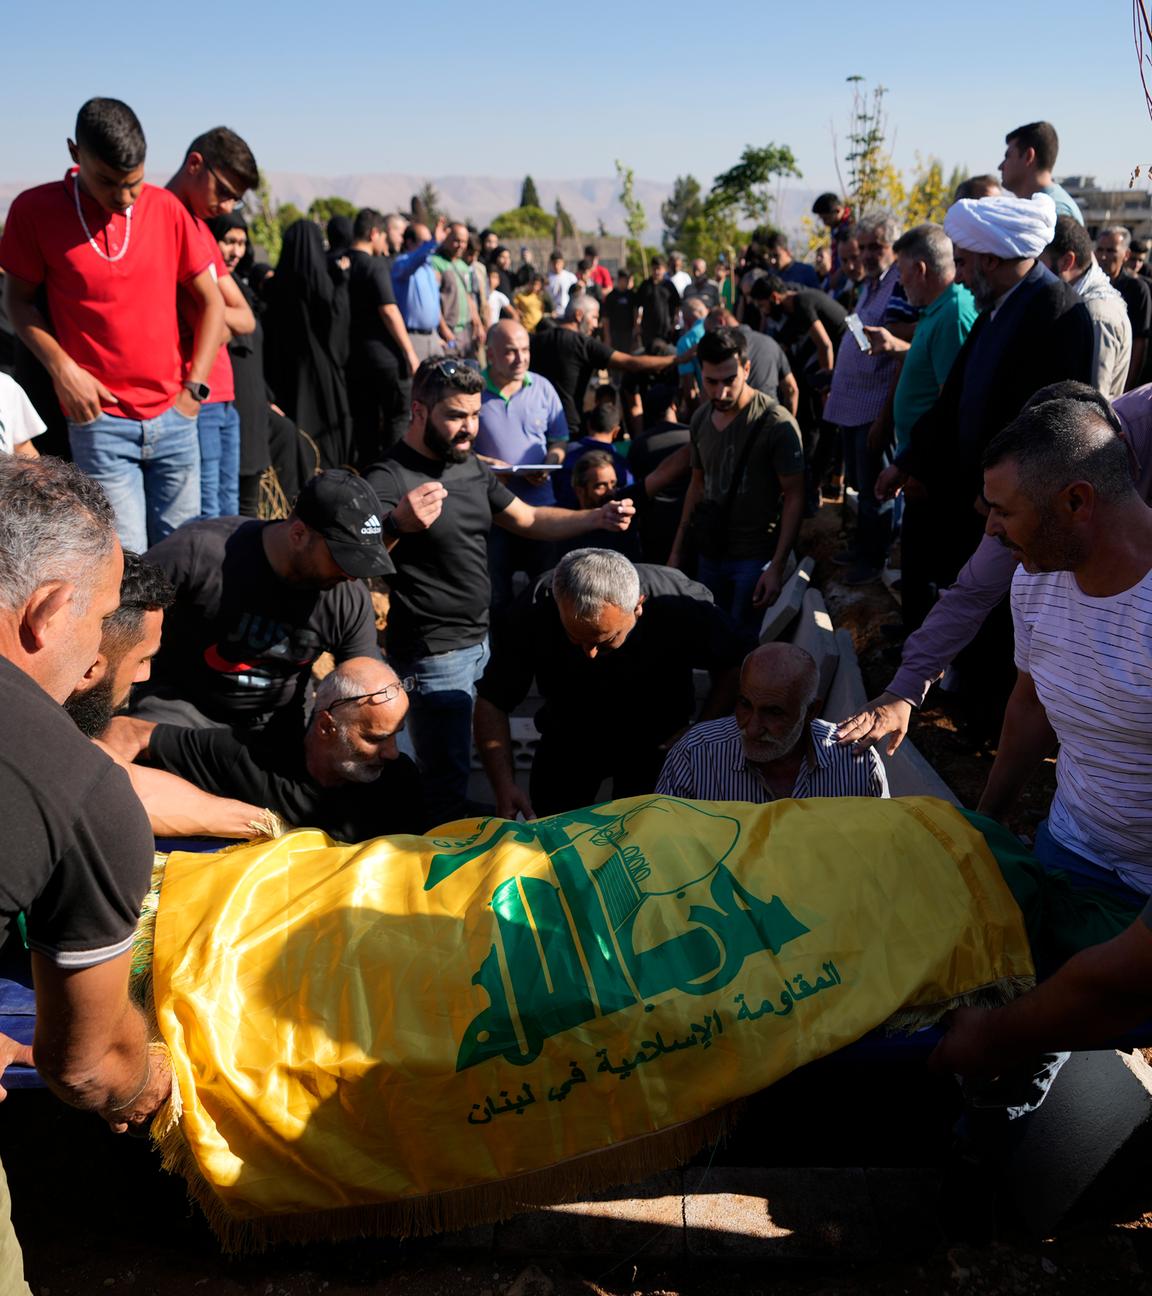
{"type": "Point", "coordinates": [761, 751]}
{"type": "Point", "coordinates": [980, 288]}
{"type": "Point", "coordinates": [91, 712]}
{"type": "Point", "coordinates": [452, 449]}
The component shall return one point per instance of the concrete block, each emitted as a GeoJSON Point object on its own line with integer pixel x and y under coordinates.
{"type": "Point", "coordinates": [910, 774]}
{"type": "Point", "coordinates": [1098, 1101]}
{"type": "Point", "coordinates": [786, 609]}
{"type": "Point", "coordinates": [815, 633]}
{"type": "Point", "coordinates": [847, 695]}
{"type": "Point", "coordinates": [649, 1215]}
{"type": "Point", "coordinates": [779, 1214]}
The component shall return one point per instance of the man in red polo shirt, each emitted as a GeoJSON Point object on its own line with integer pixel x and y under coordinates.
{"type": "Point", "coordinates": [217, 171]}
{"type": "Point", "coordinates": [108, 252]}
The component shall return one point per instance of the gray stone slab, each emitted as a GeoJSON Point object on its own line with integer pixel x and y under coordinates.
{"type": "Point", "coordinates": [649, 1215]}
{"type": "Point", "coordinates": [815, 633]}
{"type": "Point", "coordinates": [1099, 1100]}
{"type": "Point", "coordinates": [910, 774]}
{"type": "Point", "coordinates": [779, 1214]}
{"type": "Point", "coordinates": [847, 695]}
{"type": "Point", "coordinates": [786, 609]}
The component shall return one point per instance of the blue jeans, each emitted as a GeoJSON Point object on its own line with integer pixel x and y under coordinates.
{"type": "Point", "coordinates": [732, 582]}
{"type": "Point", "coordinates": [219, 432]}
{"type": "Point", "coordinates": [440, 723]}
{"type": "Point", "coordinates": [873, 518]}
{"type": "Point", "coordinates": [150, 471]}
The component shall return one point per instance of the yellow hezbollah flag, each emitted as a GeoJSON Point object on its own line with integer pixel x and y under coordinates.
{"type": "Point", "coordinates": [415, 1027]}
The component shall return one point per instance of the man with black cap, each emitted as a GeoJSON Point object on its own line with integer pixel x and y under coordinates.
{"type": "Point", "coordinates": [258, 602]}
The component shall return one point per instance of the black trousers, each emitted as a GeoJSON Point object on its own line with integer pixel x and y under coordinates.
{"type": "Point", "coordinates": [380, 399]}
{"type": "Point", "coordinates": [567, 772]}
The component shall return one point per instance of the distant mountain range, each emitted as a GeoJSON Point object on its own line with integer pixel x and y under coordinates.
{"type": "Point", "coordinates": [480, 198]}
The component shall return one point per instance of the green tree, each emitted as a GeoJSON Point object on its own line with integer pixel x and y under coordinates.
{"type": "Point", "coordinates": [746, 187]}
{"type": "Point", "coordinates": [635, 219]}
{"type": "Point", "coordinates": [323, 209]}
{"type": "Point", "coordinates": [266, 223]}
{"type": "Point", "coordinates": [685, 203]}
{"type": "Point", "coordinates": [524, 222]}
{"type": "Point", "coordinates": [528, 195]}
{"type": "Point", "coordinates": [426, 205]}
{"type": "Point", "coordinates": [566, 226]}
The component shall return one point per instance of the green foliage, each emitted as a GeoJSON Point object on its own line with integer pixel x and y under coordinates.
{"type": "Point", "coordinates": [746, 187]}
{"type": "Point", "coordinates": [638, 256]}
{"type": "Point", "coordinates": [685, 203]}
{"type": "Point", "coordinates": [524, 222]}
{"type": "Point", "coordinates": [323, 209]}
{"type": "Point", "coordinates": [635, 219]}
{"type": "Point", "coordinates": [426, 205]}
{"type": "Point", "coordinates": [528, 195]}
{"type": "Point", "coordinates": [870, 170]}
{"type": "Point", "coordinates": [564, 221]}
{"type": "Point", "coordinates": [266, 220]}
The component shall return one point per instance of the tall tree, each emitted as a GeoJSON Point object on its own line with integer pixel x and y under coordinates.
{"type": "Point", "coordinates": [323, 209]}
{"type": "Point", "coordinates": [746, 187]}
{"type": "Point", "coordinates": [426, 204]}
{"type": "Point", "coordinates": [528, 195]}
{"type": "Point", "coordinates": [635, 219]}
{"type": "Point", "coordinates": [564, 222]}
{"type": "Point", "coordinates": [683, 204]}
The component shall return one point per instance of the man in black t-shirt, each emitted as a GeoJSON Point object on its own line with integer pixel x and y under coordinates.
{"type": "Point", "coordinates": [612, 648]}
{"type": "Point", "coordinates": [345, 777]}
{"type": "Point", "coordinates": [657, 301]}
{"type": "Point", "coordinates": [1112, 246]}
{"type": "Point", "coordinates": [438, 503]}
{"type": "Point", "coordinates": [567, 355]}
{"type": "Point", "coordinates": [619, 313]}
{"type": "Point", "coordinates": [258, 602]}
{"type": "Point", "coordinates": [77, 848]}
{"type": "Point", "coordinates": [807, 315]}
{"type": "Point", "coordinates": [381, 360]}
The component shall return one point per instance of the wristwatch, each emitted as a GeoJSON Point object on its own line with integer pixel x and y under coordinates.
{"type": "Point", "coordinates": [200, 391]}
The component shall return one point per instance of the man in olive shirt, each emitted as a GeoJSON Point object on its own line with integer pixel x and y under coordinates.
{"type": "Point", "coordinates": [745, 501]}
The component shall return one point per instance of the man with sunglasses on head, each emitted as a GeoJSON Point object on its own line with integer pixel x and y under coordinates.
{"type": "Point", "coordinates": [218, 169]}
{"type": "Point", "coordinates": [438, 504]}
{"type": "Point", "coordinates": [345, 777]}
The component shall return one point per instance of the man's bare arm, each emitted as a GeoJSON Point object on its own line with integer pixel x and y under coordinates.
{"type": "Point", "coordinates": [177, 808]}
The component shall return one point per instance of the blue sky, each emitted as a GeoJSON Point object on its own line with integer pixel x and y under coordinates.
{"type": "Point", "coordinates": [561, 91]}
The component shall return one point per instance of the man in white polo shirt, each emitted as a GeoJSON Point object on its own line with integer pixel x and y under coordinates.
{"type": "Point", "coordinates": [1060, 492]}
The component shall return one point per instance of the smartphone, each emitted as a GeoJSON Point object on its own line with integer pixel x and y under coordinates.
{"type": "Point", "coordinates": [856, 328]}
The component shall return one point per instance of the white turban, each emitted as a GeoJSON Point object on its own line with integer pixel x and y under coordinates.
{"type": "Point", "coordinates": [1005, 226]}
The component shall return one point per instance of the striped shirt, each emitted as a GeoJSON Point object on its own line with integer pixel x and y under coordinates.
{"type": "Point", "coordinates": [861, 380]}
{"type": "Point", "coordinates": [1091, 662]}
{"type": "Point", "coordinates": [708, 764]}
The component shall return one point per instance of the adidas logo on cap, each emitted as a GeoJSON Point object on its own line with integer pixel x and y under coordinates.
{"type": "Point", "coordinates": [371, 527]}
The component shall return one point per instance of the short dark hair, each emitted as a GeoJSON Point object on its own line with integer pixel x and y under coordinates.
{"type": "Point", "coordinates": [588, 463]}
{"type": "Point", "coordinates": [367, 220]}
{"type": "Point", "coordinates": [604, 417]}
{"type": "Point", "coordinates": [591, 250]}
{"type": "Point", "coordinates": [827, 204]}
{"type": "Point", "coordinates": [777, 239]}
{"type": "Point", "coordinates": [583, 265]}
{"type": "Point", "coordinates": [1070, 389]}
{"type": "Point", "coordinates": [143, 588]}
{"type": "Point", "coordinates": [1071, 236]}
{"type": "Point", "coordinates": [111, 131]}
{"type": "Point", "coordinates": [440, 375]}
{"type": "Point", "coordinates": [767, 286]}
{"type": "Point", "coordinates": [657, 261]}
{"type": "Point", "coordinates": [722, 345]}
{"type": "Point", "coordinates": [1040, 136]}
{"type": "Point", "coordinates": [980, 186]}
{"type": "Point", "coordinates": [1139, 247]}
{"type": "Point", "coordinates": [657, 399]}
{"type": "Point", "coordinates": [1061, 441]}
{"type": "Point", "coordinates": [225, 151]}
{"type": "Point", "coordinates": [556, 255]}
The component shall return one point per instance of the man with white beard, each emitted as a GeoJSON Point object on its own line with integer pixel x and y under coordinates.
{"type": "Point", "coordinates": [773, 747]}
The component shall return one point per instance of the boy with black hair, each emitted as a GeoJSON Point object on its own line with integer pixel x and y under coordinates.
{"type": "Point", "coordinates": [1027, 166]}
{"type": "Point", "coordinates": [110, 252]}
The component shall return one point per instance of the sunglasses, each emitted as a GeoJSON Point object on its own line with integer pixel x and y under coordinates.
{"type": "Point", "coordinates": [382, 696]}
{"type": "Point", "coordinates": [223, 188]}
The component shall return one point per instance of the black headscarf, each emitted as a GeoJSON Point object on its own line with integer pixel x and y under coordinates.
{"type": "Point", "coordinates": [220, 225]}
{"type": "Point", "coordinates": [339, 230]}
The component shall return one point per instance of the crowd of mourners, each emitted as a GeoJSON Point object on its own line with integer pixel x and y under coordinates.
{"type": "Point", "coordinates": [305, 538]}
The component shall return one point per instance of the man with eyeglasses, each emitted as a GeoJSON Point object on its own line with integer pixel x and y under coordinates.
{"type": "Point", "coordinates": [258, 602]}
{"type": "Point", "coordinates": [438, 502]}
{"type": "Point", "coordinates": [217, 171]}
{"type": "Point", "coordinates": [345, 777]}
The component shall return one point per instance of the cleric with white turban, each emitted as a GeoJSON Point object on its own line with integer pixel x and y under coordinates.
{"type": "Point", "coordinates": [1005, 226]}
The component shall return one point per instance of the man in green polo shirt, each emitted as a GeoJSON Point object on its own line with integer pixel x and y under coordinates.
{"type": "Point", "coordinates": [947, 313]}
{"type": "Point", "coordinates": [457, 304]}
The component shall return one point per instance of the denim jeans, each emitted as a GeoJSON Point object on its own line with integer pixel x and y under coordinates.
{"type": "Point", "coordinates": [440, 723]}
{"type": "Point", "coordinates": [873, 518]}
{"type": "Point", "coordinates": [150, 470]}
{"type": "Point", "coordinates": [218, 428]}
{"type": "Point", "coordinates": [733, 582]}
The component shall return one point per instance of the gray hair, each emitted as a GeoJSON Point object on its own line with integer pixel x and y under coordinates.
{"type": "Point", "coordinates": [56, 524]}
{"type": "Point", "coordinates": [350, 679]}
{"type": "Point", "coordinates": [589, 578]}
{"type": "Point", "coordinates": [883, 223]}
{"type": "Point", "coordinates": [928, 243]}
{"type": "Point", "coordinates": [1123, 234]}
{"type": "Point", "coordinates": [578, 301]}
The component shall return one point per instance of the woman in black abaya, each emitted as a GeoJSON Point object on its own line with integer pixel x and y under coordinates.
{"type": "Point", "coordinates": [305, 334]}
